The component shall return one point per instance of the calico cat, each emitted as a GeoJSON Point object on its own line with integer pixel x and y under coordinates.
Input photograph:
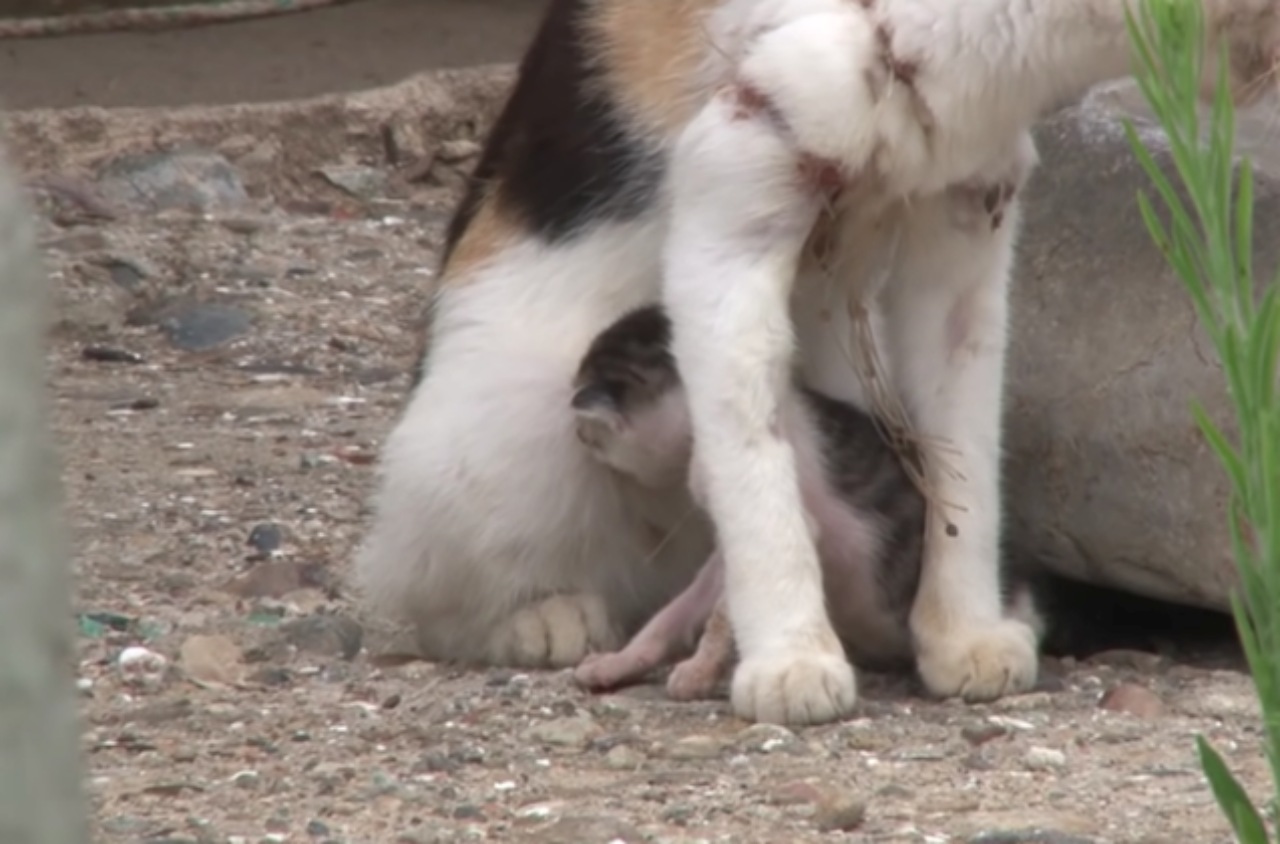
{"type": "Point", "coordinates": [821, 183]}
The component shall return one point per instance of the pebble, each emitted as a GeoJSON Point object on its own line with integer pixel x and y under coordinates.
{"type": "Point", "coordinates": [980, 733]}
{"type": "Point", "coordinates": [623, 758]}
{"type": "Point", "coordinates": [110, 354]}
{"type": "Point", "coordinates": [142, 666]}
{"type": "Point", "coordinates": [197, 327]}
{"type": "Point", "coordinates": [325, 634]}
{"type": "Point", "coordinates": [247, 780]}
{"type": "Point", "coordinates": [574, 732]}
{"type": "Point", "coordinates": [1132, 699]}
{"type": "Point", "coordinates": [679, 814]}
{"type": "Point", "coordinates": [265, 537]}
{"type": "Point", "coordinates": [766, 738]}
{"type": "Point", "coordinates": [452, 152]}
{"type": "Point", "coordinates": [696, 747]}
{"type": "Point", "coordinates": [840, 813]}
{"type": "Point", "coordinates": [127, 273]}
{"type": "Point", "coordinates": [359, 181]}
{"type": "Point", "coordinates": [1044, 759]}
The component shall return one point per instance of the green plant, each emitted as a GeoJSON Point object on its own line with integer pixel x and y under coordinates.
{"type": "Point", "coordinates": [1208, 242]}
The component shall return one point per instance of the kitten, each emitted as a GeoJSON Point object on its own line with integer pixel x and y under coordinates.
{"type": "Point", "coordinates": [866, 514]}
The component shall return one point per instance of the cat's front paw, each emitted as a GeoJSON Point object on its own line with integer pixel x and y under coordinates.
{"type": "Point", "coordinates": [695, 678]}
{"type": "Point", "coordinates": [796, 686]}
{"type": "Point", "coordinates": [979, 662]}
{"type": "Point", "coordinates": [556, 632]}
{"type": "Point", "coordinates": [605, 671]}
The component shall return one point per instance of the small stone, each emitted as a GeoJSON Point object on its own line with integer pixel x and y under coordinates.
{"type": "Point", "coordinates": [1132, 699]}
{"type": "Point", "coordinates": [574, 732]}
{"type": "Point", "coordinates": [840, 813]}
{"type": "Point", "coordinates": [265, 537]}
{"type": "Point", "coordinates": [766, 738]}
{"type": "Point", "coordinates": [197, 327]}
{"type": "Point", "coordinates": [623, 758]}
{"type": "Point", "coordinates": [679, 814]}
{"type": "Point", "coordinates": [212, 661]}
{"type": "Point", "coordinates": [317, 829]}
{"type": "Point", "coordinates": [325, 634]}
{"type": "Point", "coordinates": [696, 747]}
{"type": "Point", "coordinates": [981, 733]}
{"type": "Point", "coordinates": [141, 666]}
{"type": "Point", "coordinates": [361, 182]}
{"type": "Point", "coordinates": [127, 273]}
{"type": "Point", "coordinates": [110, 354]}
{"type": "Point", "coordinates": [247, 780]}
{"type": "Point", "coordinates": [1044, 759]}
{"type": "Point", "coordinates": [451, 152]}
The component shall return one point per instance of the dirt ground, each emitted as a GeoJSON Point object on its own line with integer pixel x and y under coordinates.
{"type": "Point", "coordinates": [343, 48]}
{"type": "Point", "coordinates": [235, 325]}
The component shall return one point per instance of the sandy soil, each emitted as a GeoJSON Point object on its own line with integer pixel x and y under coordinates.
{"type": "Point", "coordinates": [233, 340]}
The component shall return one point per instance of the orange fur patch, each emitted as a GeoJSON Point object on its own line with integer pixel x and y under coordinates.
{"type": "Point", "coordinates": [650, 51]}
{"type": "Point", "coordinates": [489, 232]}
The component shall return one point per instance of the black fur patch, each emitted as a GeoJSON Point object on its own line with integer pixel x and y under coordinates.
{"type": "Point", "coordinates": [629, 364]}
{"type": "Point", "coordinates": [558, 156]}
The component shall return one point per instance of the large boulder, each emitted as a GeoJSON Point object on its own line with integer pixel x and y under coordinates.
{"type": "Point", "coordinates": [1109, 479]}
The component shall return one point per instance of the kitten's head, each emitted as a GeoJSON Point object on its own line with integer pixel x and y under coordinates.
{"type": "Point", "coordinates": [629, 403]}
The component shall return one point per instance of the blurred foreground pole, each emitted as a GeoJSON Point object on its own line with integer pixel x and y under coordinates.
{"type": "Point", "coordinates": [41, 801]}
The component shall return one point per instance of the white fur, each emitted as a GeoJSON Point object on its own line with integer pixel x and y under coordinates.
{"type": "Point", "coordinates": [489, 504]}
{"type": "Point", "coordinates": [488, 500]}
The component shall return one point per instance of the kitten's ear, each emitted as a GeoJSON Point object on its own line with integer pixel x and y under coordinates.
{"type": "Point", "coordinates": [599, 417]}
{"type": "Point", "coordinates": [595, 397]}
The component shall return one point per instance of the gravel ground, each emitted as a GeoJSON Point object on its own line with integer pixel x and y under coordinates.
{"type": "Point", "coordinates": [230, 348]}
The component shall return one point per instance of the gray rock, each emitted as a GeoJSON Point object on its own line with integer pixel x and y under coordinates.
{"type": "Point", "coordinates": [191, 180]}
{"type": "Point", "coordinates": [1109, 480]}
{"type": "Point", "coordinates": [360, 182]}
{"type": "Point", "coordinates": [198, 326]}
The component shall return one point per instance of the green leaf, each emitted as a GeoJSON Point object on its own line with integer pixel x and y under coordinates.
{"type": "Point", "coordinates": [1227, 455]}
{"type": "Point", "coordinates": [1239, 810]}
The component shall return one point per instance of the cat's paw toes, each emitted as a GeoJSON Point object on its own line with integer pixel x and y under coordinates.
{"type": "Point", "coordinates": [979, 663]}
{"type": "Point", "coordinates": [796, 686]}
{"type": "Point", "coordinates": [556, 632]}
{"type": "Point", "coordinates": [695, 678]}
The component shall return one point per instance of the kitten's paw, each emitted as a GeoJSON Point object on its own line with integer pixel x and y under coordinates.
{"type": "Point", "coordinates": [603, 671]}
{"type": "Point", "coordinates": [695, 678]}
{"type": "Point", "coordinates": [798, 686]}
{"type": "Point", "coordinates": [979, 663]}
{"type": "Point", "coordinates": [556, 632]}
